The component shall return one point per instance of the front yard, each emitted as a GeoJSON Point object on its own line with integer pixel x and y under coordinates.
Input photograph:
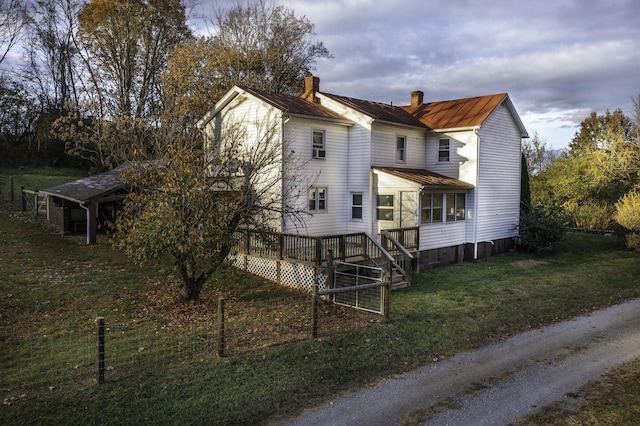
{"type": "Point", "coordinates": [56, 287]}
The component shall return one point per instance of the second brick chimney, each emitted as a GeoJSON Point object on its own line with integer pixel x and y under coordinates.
{"type": "Point", "coordinates": [311, 87]}
{"type": "Point", "coordinates": [417, 98]}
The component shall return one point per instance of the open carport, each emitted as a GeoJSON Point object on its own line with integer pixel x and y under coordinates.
{"type": "Point", "coordinates": [87, 203]}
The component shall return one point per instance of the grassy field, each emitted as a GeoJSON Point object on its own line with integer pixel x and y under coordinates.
{"type": "Point", "coordinates": [41, 178]}
{"type": "Point", "coordinates": [56, 286]}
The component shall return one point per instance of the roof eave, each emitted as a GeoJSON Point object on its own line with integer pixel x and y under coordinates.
{"type": "Point", "coordinates": [224, 101]}
{"type": "Point", "coordinates": [318, 118]}
{"type": "Point", "coordinates": [394, 123]}
{"type": "Point", "coordinates": [454, 129]}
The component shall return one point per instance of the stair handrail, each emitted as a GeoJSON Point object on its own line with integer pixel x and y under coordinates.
{"type": "Point", "coordinates": [397, 244]}
{"type": "Point", "coordinates": [408, 256]}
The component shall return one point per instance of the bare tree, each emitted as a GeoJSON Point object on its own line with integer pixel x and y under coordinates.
{"type": "Point", "coordinates": [54, 67]}
{"type": "Point", "coordinates": [193, 204]}
{"type": "Point", "coordinates": [127, 44]}
{"type": "Point", "coordinates": [12, 21]}
{"type": "Point", "coordinates": [538, 155]}
{"type": "Point", "coordinates": [254, 43]}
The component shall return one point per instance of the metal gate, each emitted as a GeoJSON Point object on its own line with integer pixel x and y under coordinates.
{"type": "Point", "coordinates": [358, 286]}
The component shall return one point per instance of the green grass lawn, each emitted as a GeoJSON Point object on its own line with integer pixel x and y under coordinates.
{"type": "Point", "coordinates": [42, 177]}
{"type": "Point", "coordinates": [56, 286]}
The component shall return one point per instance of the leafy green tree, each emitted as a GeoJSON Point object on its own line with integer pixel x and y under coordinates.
{"type": "Point", "coordinates": [540, 227]}
{"type": "Point", "coordinates": [600, 168]}
{"type": "Point", "coordinates": [177, 209]}
{"type": "Point", "coordinates": [525, 188]}
{"type": "Point", "coordinates": [628, 215]}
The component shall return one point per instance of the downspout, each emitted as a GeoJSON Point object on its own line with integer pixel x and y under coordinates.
{"type": "Point", "coordinates": [91, 233]}
{"type": "Point", "coordinates": [372, 212]}
{"type": "Point", "coordinates": [475, 199]}
{"type": "Point", "coordinates": [283, 226]}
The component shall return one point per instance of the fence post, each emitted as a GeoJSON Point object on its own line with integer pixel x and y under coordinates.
{"type": "Point", "coordinates": [100, 321]}
{"type": "Point", "coordinates": [11, 188]}
{"type": "Point", "coordinates": [314, 311]}
{"type": "Point", "coordinates": [24, 199]}
{"type": "Point", "coordinates": [386, 293]}
{"type": "Point", "coordinates": [330, 270]}
{"type": "Point", "coordinates": [221, 303]}
{"type": "Point", "coordinates": [35, 200]}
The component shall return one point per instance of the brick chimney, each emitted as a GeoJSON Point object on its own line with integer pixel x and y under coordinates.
{"type": "Point", "coordinates": [417, 98]}
{"type": "Point", "coordinates": [311, 87]}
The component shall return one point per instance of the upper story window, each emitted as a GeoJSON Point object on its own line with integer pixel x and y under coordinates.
{"type": "Point", "coordinates": [444, 146]}
{"type": "Point", "coordinates": [356, 205]}
{"type": "Point", "coordinates": [317, 199]}
{"type": "Point", "coordinates": [401, 149]}
{"type": "Point", "coordinates": [384, 207]}
{"type": "Point", "coordinates": [319, 145]}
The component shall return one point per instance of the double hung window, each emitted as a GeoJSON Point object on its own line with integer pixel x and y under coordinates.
{"type": "Point", "coordinates": [319, 144]}
{"type": "Point", "coordinates": [317, 199]}
{"type": "Point", "coordinates": [356, 205]}
{"type": "Point", "coordinates": [401, 149]}
{"type": "Point", "coordinates": [444, 149]}
{"type": "Point", "coordinates": [384, 207]}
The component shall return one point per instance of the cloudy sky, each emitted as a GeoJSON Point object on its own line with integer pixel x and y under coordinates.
{"type": "Point", "coordinates": [558, 59]}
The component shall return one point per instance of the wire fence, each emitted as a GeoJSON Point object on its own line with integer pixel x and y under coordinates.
{"type": "Point", "coordinates": [139, 346]}
{"type": "Point", "coordinates": [7, 188]}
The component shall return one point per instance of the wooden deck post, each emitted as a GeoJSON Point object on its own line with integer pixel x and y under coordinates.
{"type": "Point", "coordinates": [314, 311]}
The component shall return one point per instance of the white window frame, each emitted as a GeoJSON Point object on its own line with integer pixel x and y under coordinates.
{"type": "Point", "coordinates": [354, 205]}
{"type": "Point", "coordinates": [385, 208]}
{"type": "Point", "coordinates": [447, 212]}
{"type": "Point", "coordinates": [318, 150]}
{"type": "Point", "coordinates": [401, 152]}
{"type": "Point", "coordinates": [317, 200]}
{"type": "Point", "coordinates": [442, 150]}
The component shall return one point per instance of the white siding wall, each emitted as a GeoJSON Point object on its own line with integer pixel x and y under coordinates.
{"type": "Point", "coordinates": [359, 172]}
{"type": "Point", "coordinates": [330, 172]}
{"type": "Point", "coordinates": [391, 185]}
{"type": "Point", "coordinates": [383, 151]}
{"type": "Point", "coordinates": [261, 122]}
{"type": "Point", "coordinates": [462, 163]}
{"type": "Point", "coordinates": [443, 234]}
{"type": "Point", "coordinates": [499, 177]}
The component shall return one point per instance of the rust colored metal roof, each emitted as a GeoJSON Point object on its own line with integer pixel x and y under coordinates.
{"type": "Point", "coordinates": [294, 105]}
{"type": "Point", "coordinates": [425, 178]}
{"type": "Point", "coordinates": [458, 113]}
{"type": "Point", "coordinates": [378, 111]}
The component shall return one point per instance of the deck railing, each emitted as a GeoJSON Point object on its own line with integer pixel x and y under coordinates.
{"type": "Point", "coordinates": [312, 249]}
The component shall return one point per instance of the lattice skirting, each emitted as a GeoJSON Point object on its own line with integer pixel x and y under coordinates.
{"type": "Point", "coordinates": [295, 275]}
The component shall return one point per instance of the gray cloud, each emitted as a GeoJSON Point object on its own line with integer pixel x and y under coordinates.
{"type": "Point", "coordinates": [558, 59]}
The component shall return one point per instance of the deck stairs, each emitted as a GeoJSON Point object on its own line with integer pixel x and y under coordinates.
{"type": "Point", "coordinates": [390, 257]}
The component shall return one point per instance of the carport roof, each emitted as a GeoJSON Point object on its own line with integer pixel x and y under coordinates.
{"type": "Point", "coordinates": [90, 188]}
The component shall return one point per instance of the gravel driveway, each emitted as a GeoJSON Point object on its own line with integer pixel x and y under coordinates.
{"type": "Point", "coordinates": [500, 383]}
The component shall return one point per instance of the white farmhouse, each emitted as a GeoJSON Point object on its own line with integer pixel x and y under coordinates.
{"type": "Point", "coordinates": [449, 170]}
